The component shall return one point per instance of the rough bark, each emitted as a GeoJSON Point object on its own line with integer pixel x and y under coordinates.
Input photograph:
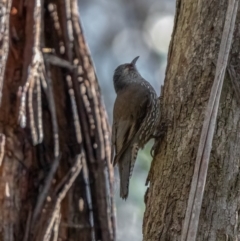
{"type": "Point", "coordinates": [190, 73]}
{"type": "Point", "coordinates": [55, 172]}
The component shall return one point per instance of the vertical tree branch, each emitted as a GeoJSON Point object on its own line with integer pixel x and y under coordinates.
{"type": "Point", "coordinates": [190, 227]}
{"type": "Point", "coordinates": [60, 114]}
{"type": "Point", "coordinates": [179, 169]}
{"type": "Point", "coordinates": [5, 7]}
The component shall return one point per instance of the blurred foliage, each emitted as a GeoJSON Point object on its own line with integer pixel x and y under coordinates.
{"type": "Point", "coordinates": [118, 31]}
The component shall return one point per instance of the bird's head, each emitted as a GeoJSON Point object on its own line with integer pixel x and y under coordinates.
{"type": "Point", "coordinates": [124, 74]}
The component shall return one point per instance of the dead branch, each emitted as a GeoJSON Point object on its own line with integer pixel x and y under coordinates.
{"type": "Point", "coordinates": [56, 208]}
{"type": "Point", "coordinates": [43, 195]}
{"type": "Point", "coordinates": [56, 227]}
{"type": "Point", "coordinates": [89, 197]}
{"type": "Point", "coordinates": [28, 225]}
{"type": "Point", "coordinates": [92, 99]}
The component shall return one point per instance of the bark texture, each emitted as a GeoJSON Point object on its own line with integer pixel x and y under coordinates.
{"type": "Point", "coordinates": [55, 171]}
{"type": "Point", "coordinates": [190, 73]}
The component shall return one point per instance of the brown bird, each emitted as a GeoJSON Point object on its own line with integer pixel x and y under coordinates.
{"type": "Point", "coordinates": [135, 116]}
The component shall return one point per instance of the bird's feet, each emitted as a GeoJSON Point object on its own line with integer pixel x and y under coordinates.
{"type": "Point", "coordinates": [152, 152]}
{"type": "Point", "coordinates": [158, 136]}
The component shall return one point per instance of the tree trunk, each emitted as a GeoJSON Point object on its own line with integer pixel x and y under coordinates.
{"type": "Point", "coordinates": [190, 73]}
{"type": "Point", "coordinates": [55, 171]}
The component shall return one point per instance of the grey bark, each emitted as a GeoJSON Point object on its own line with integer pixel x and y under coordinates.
{"type": "Point", "coordinates": [190, 73]}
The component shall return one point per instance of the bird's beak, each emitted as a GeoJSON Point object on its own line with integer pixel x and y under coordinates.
{"type": "Point", "coordinates": [134, 60]}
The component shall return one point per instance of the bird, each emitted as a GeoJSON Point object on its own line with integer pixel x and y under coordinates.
{"type": "Point", "coordinates": [135, 118]}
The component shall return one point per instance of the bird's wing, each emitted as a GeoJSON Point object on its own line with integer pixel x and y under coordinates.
{"type": "Point", "coordinates": [124, 133]}
{"type": "Point", "coordinates": [129, 114]}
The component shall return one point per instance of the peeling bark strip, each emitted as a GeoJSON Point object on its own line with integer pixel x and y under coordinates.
{"type": "Point", "coordinates": [190, 227]}
{"type": "Point", "coordinates": [5, 6]}
{"type": "Point", "coordinates": [56, 180]}
{"type": "Point", "coordinates": [2, 147]}
{"type": "Point", "coordinates": [193, 54]}
{"type": "Point", "coordinates": [62, 194]}
{"type": "Point", "coordinates": [33, 84]}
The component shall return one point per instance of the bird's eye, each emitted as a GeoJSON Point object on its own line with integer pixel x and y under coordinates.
{"type": "Point", "coordinates": [130, 66]}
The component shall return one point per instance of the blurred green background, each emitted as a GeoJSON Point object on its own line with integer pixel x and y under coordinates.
{"type": "Point", "coordinates": [116, 32]}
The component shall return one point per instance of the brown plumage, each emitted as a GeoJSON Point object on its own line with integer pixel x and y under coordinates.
{"type": "Point", "coordinates": [135, 116]}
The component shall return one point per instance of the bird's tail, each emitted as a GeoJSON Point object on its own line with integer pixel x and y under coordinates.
{"type": "Point", "coordinates": [125, 166]}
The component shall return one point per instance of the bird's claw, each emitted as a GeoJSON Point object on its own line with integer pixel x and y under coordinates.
{"type": "Point", "coordinates": [158, 135]}
{"type": "Point", "coordinates": [152, 152]}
